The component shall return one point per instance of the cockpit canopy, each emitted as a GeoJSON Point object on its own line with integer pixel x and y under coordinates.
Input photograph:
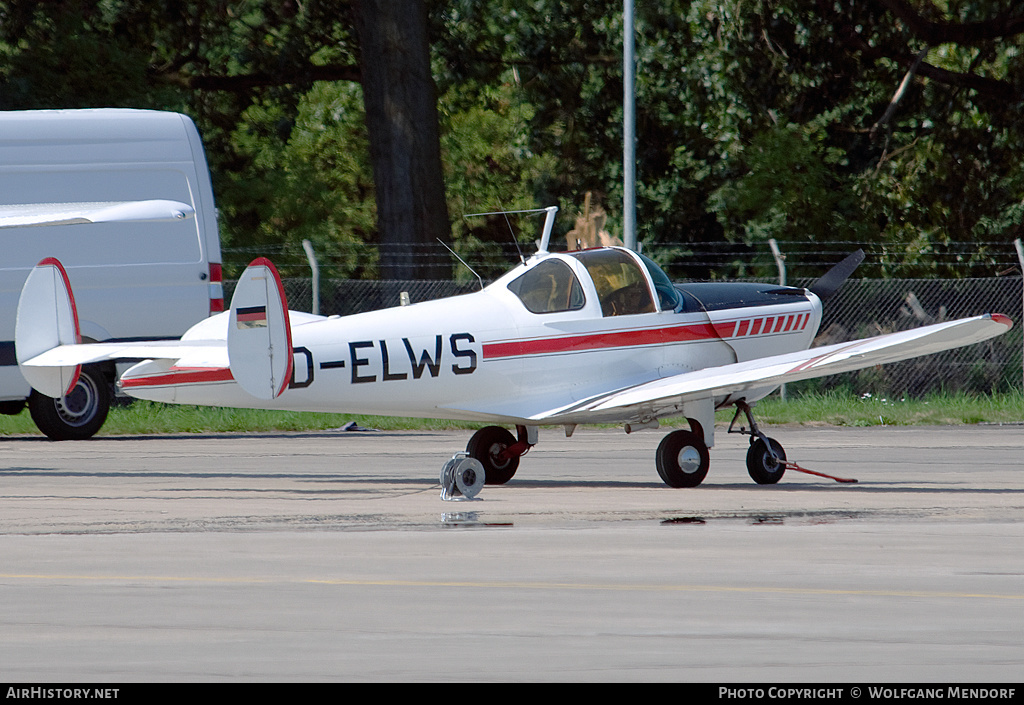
{"type": "Point", "coordinates": [620, 282]}
{"type": "Point", "coordinates": [618, 277]}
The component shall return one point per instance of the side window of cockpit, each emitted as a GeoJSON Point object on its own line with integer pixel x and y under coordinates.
{"type": "Point", "coordinates": [549, 287]}
{"type": "Point", "coordinates": [620, 283]}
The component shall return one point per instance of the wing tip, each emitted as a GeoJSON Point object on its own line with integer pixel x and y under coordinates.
{"type": "Point", "coordinates": [1002, 318]}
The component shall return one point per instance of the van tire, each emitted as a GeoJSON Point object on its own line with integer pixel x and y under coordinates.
{"type": "Point", "coordinates": [12, 407]}
{"type": "Point", "coordinates": [79, 415]}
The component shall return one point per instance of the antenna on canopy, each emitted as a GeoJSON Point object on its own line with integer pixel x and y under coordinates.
{"type": "Point", "coordinates": [463, 262]}
{"type": "Point", "coordinates": [515, 240]}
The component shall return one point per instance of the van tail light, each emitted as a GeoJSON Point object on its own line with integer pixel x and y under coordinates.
{"type": "Point", "coordinates": [216, 288]}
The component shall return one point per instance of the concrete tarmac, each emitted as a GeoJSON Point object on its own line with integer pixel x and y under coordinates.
{"type": "Point", "coordinates": [331, 556]}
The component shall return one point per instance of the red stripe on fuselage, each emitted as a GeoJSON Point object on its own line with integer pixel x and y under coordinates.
{"type": "Point", "coordinates": [633, 338]}
{"type": "Point", "coordinates": [180, 375]}
{"type": "Point", "coordinates": [597, 341]}
{"type": "Point", "coordinates": [726, 330]}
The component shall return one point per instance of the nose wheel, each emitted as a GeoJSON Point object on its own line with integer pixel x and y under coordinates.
{"type": "Point", "coordinates": [766, 460]}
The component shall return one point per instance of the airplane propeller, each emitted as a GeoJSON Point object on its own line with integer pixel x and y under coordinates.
{"type": "Point", "coordinates": [825, 287]}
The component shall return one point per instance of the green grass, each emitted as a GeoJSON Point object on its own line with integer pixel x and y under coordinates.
{"type": "Point", "coordinates": [143, 417]}
{"type": "Point", "coordinates": [850, 410]}
{"type": "Point", "coordinates": [829, 409]}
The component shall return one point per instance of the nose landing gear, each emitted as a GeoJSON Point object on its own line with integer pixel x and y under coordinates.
{"type": "Point", "coordinates": [766, 459]}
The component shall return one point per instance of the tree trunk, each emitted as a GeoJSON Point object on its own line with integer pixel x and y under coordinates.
{"type": "Point", "coordinates": [401, 117]}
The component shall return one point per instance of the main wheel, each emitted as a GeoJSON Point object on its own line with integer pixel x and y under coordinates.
{"type": "Point", "coordinates": [77, 416]}
{"type": "Point", "coordinates": [764, 469]}
{"type": "Point", "coordinates": [486, 445]}
{"type": "Point", "coordinates": [683, 459]}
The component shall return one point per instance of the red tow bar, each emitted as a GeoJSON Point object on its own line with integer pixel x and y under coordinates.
{"type": "Point", "coordinates": [789, 465]}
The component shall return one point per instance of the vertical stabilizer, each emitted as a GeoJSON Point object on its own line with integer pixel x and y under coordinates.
{"type": "Point", "coordinates": [259, 332]}
{"type": "Point", "coordinates": [47, 318]}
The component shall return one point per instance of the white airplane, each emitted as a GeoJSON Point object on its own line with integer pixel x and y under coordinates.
{"type": "Point", "coordinates": [592, 336]}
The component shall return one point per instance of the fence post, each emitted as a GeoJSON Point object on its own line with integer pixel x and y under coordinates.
{"type": "Point", "coordinates": [1020, 258]}
{"type": "Point", "coordinates": [780, 262]}
{"type": "Point", "coordinates": [308, 247]}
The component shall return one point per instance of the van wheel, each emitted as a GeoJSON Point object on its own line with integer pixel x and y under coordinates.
{"type": "Point", "coordinates": [12, 407]}
{"type": "Point", "coordinates": [77, 416]}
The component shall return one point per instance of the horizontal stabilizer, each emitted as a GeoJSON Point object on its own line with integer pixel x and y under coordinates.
{"type": "Point", "coordinates": [47, 318]}
{"type": "Point", "coordinates": [259, 332]}
{"type": "Point", "coordinates": [40, 214]}
{"type": "Point", "coordinates": [191, 353]}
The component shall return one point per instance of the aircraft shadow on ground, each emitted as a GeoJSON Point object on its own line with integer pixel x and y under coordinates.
{"type": "Point", "coordinates": [429, 480]}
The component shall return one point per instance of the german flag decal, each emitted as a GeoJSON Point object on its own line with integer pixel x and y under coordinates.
{"type": "Point", "coordinates": [252, 317]}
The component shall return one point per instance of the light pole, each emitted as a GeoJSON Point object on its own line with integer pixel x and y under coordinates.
{"type": "Point", "coordinates": [628, 129]}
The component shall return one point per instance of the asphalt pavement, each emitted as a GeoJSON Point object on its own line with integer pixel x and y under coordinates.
{"type": "Point", "coordinates": [331, 556]}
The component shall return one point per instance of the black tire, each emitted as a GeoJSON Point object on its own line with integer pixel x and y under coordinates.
{"type": "Point", "coordinates": [683, 459]}
{"type": "Point", "coordinates": [77, 416]}
{"type": "Point", "coordinates": [762, 467]}
{"type": "Point", "coordinates": [486, 445]}
{"type": "Point", "coordinates": [12, 408]}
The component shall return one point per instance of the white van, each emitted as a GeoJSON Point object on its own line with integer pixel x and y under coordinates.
{"type": "Point", "coordinates": [132, 281]}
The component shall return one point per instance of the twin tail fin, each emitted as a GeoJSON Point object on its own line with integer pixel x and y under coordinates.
{"type": "Point", "coordinates": [48, 341]}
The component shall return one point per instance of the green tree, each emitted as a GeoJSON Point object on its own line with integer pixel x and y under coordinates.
{"type": "Point", "coordinates": [771, 119]}
{"type": "Point", "coordinates": [892, 124]}
{"type": "Point", "coordinates": [316, 185]}
{"type": "Point", "coordinates": [828, 150]}
{"type": "Point", "coordinates": [242, 70]}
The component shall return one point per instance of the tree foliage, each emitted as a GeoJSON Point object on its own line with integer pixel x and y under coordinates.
{"type": "Point", "coordinates": [763, 119]}
{"type": "Point", "coordinates": [889, 124]}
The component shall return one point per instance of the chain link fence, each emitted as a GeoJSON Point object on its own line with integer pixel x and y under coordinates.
{"type": "Point", "coordinates": [861, 308]}
{"type": "Point", "coordinates": [867, 307]}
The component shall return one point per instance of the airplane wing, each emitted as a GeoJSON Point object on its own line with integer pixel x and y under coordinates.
{"type": "Point", "coordinates": [37, 214]}
{"type": "Point", "coordinates": [664, 396]}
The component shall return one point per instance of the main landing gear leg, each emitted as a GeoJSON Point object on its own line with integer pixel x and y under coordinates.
{"type": "Point", "coordinates": [766, 459]}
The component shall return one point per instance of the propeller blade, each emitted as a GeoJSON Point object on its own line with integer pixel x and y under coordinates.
{"type": "Point", "coordinates": [834, 278]}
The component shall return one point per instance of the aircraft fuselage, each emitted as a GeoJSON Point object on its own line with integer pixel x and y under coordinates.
{"type": "Point", "coordinates": [486, 357]}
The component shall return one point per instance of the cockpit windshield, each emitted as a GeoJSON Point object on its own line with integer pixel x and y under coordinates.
{"type": "Point", "coordinates": [669, 298]}
{"type": "Point", "coordinates": [620, 283]}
